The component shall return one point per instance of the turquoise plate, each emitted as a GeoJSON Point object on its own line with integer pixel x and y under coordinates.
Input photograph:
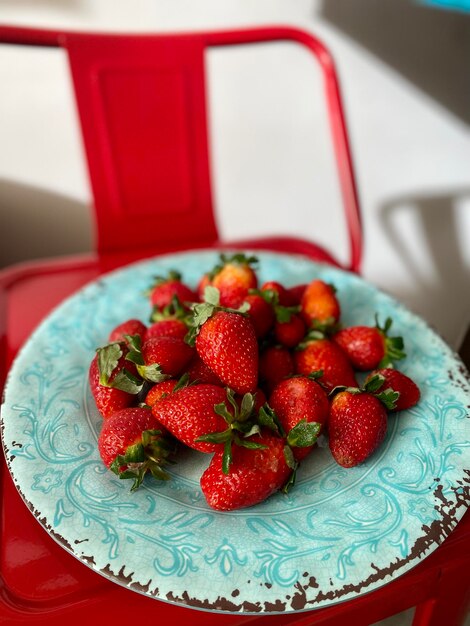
{"type": "Point", "coordinates": [338, 533]}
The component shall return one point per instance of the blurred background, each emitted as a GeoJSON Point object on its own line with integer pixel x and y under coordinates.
{"type": "Point", "coordinates": [404, 67]}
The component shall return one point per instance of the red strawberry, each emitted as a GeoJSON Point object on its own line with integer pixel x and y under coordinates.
{"type": "Point", "coordinates": [131, 444]}
{"type": "Point", "coordinates": [199, 372]}
{"type": "Point", "coordinates": [227, 344]}
{"type": "Point", "coordinates": [295, 293]}
{"type": "Point", "coordinates": [409, 393]}
{"type": "Point", "coordinates": [259, 400]}
{"type": "Point", "coordinates": [357, 425]}
{"type": "Point", "coordinates": [319, 305]}
{"type": "Point", "coordinates": [275, 363]}
{"type": "Point", "coordinates": [160, 357]}
{"type": "Point", "coordinates": [284, 296]}
{"type": "Point", "coordinates": [323, 355]}
{"type": "Point", "coordinates": [226, 341]}
{"type": "Point", "coordinates": [160, 391]}
{"type": "Point", "coordinates": [253, 475]}
{"type": "Point", "coordinates": [170, 327]}
{"type": "Point", "coordinates": [261, 314]}
{"type": "Point", "coordinates": [301, 407]}
{"type": "Point", "coordinates": [202, 284]}
{"type": "Point", "coordinates": [369, 347]}
{"type": "Point", "coordinates": [234, 277]}
{"type": "Point", "coordinates": [291, 332]}
{"type": "Point", "coordinates": [166, 288]}
{"type": "Point", "coordinates": [113, 380]}
{"type": "Point", "coordinates": [289, 328]}
{"type": "Point", "coordinates": [189, 413]}
{"type": "Point", "coordinates": [130, 327]}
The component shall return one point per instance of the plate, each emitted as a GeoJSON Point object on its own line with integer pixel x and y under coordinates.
{"type": "Point", "coordinates": [338, 533]}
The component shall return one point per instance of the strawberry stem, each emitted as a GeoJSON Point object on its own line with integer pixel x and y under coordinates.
{"type": "Point", "coordinates": [153, 372]}
{"type": "Point", "coordinates": [148, 455]}
{"type": "Point", "coordinates": [394, 346]}
{"type": "Point", "coordinates": [239, 423]}
{"type": "Point", "coordinates": [202, 311]}
{"type": "Point", "coordinates": [108, 359]}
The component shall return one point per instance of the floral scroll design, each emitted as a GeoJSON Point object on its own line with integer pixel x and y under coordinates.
{"type": "Point", "coordinates": [48, 427]}
{"type": "Point", "coordinates": [361, 533]}
{"type": "Point", "coordinates": [284, 544]}
{"type": "Point", "coordinates": [431, 448]}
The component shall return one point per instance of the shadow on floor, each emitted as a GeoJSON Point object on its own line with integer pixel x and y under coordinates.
{"type": "Point", "coordinates": [35, 223]}
{"type": "Point", "coordinates": [444, 294]}
{"type": "Point", "coordinates": [429, 46]}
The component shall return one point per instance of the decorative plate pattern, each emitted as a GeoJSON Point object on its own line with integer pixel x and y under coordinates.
{"type": "Point", "coordinates": [338, 533]}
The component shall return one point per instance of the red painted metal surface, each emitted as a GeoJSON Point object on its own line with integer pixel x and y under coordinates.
{"type": "Point", "coordinates": [40, 583]}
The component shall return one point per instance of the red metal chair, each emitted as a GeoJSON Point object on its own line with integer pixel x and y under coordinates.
{"type": "Point", "coordinates": [40, 583]}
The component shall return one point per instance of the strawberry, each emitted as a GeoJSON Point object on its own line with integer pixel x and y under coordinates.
{"type": "Point", "coordinates": [226, 341]}
{"type": "Point", "coordinates": [253, 475]}
{"type": "Point", "coordinates": [159, 391]}
{"type": "Point", "coordinates": [357, 425]}
{"type": "Point", "coordinates": [290, 333]}
{"type": "Point", "coordinates": [129, 327]}
{"type": "Point", "coordinates": [370, 347]}
{"type": "Point", "coordinates": [170, 327]}
{"type": "Point", "coordinates": [189, 413]}
{"type": "Point", "coordinates": [131, 444]}
{"type": "Point", "coordinates": [234, 276]}
{"type": "Point", "coordinates": [408, 390]}
{"type": "Point", "coordinates": [301, 407]}
{"type": "Point", "coordinates": [159, 358]}
{"type": "Point", "coordinates": [318, 353]}
{"type": "Point", "coordinates": [357, 422]}
{"type": "Point", "coordinates": [204, 282]}
{"type": "Point", "coordinates": [288, 327]}
{"type": "Point", "coordinates": [199, 372]}
{"type": "Point", "coordinates": [275, 363]}
{"type": "Point", "coordinates": [284, 296]}
{"type": "Point", "coordinates": [259, 400]}
{"type": "Point", "coordinates": [166, 288]}
{"type": "Point", "coordinates": [113, 380]}
{"type": "Point", "coordinates": [320, 307]}
{"type": "Point", "coordinates": [227, 344]}
{"type": "Point", "coordinates": [261, 313]}
{"type": "Point", "coordinates": [295, 293]}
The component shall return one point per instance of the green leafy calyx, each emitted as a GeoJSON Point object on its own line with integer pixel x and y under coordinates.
{"type": "Point", "coordinates": [304, 434]}
{"type": "Point", "coordinates": [202, 311]}
{"type": "Point", "coordinates": [174, 310]}
{"type": "Point", "coordinates": [151, 454]}
{"type": "Point", "coordinates": [282, 313]}
{"type": "Point", "coordinates": [152, 373]}
{"type": "Point", "coordinates": [238, 258]}
{"type": "Point", "coordinates": [108, 360]}
{"type": "Point", "coordinates": [394, 346]}
{"type": "Point", "coordinates": [387, 396]}
{"type": "Point", "coordinates": [240, 427]}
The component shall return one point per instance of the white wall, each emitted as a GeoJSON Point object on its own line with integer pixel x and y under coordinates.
{"type": "Point", "coordinates": [403, 71]}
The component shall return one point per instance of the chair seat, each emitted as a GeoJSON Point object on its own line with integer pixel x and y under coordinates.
{"type": "Point", "coordinates": [40, 579]}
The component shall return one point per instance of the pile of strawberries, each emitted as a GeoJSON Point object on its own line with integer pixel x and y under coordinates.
{"type": "Point", "coordinates": [249, 374]}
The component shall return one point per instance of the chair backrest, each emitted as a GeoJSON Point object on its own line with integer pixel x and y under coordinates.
{"type": "Point", "coordinates": [142, 106]}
